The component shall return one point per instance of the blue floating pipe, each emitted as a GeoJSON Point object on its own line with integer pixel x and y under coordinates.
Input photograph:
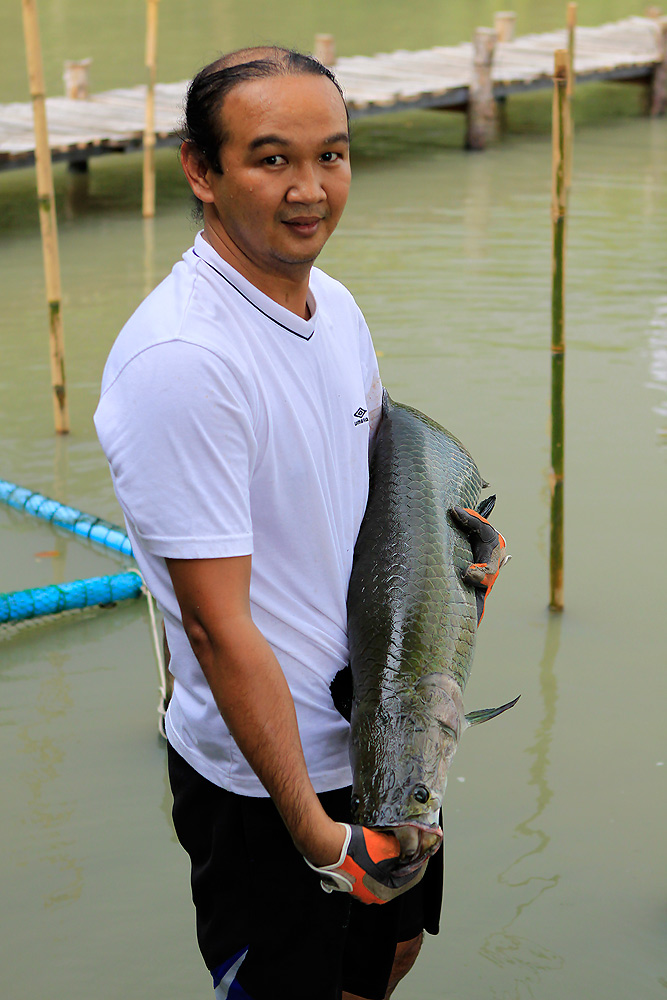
{"type": "Point", "coordinates": [22, 604]}
{"type": "Point", "coordinates": [84, 525]}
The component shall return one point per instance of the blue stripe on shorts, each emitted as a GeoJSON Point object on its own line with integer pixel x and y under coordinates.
{"type": "Point", "coordinates": [225, 986]}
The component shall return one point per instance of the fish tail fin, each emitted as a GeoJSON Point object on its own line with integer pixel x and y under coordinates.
{"type": "Point", "coordinates": [484, 714]}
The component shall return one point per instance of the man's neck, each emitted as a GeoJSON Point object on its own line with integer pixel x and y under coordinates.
{"type": "Point", "coordinates": [288, 291]}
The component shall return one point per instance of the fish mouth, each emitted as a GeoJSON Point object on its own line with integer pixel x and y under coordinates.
{"type": "Point", "coordinates": [419, 841]}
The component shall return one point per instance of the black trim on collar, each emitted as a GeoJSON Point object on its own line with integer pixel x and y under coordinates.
{"type": "Point", "coordinates": [268, 316]}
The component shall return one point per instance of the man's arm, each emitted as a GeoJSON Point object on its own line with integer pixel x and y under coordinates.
{"type": "Point", "coordinates": [252, 695]}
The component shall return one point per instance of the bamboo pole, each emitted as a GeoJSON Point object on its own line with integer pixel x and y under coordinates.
{"type": "Point", "coordinates": [571, 42]}
{"type": "Point", "coordinates": [148, 201]}
{"type": "Point", "coordinates": [571, 28]}
{"type": "Point", "coordinates": [560, 138]}
{"type": "Point", "coordinates": [658, 95]}
{"type": "Point", "coordinates": [47, 215]}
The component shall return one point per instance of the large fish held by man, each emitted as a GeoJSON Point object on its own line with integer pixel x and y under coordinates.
{"type": "Point", "coordinates": [412, 625]}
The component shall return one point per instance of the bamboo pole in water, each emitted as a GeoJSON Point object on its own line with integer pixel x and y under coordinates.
{"type": "Point", "coordinates": [47, 215]}
{"type": "Point", "coordinates": [561, 134]}
{"type": "Point", "coordinates": [571, 41]}
{"type": "Point", "coordinates": [148, 201]}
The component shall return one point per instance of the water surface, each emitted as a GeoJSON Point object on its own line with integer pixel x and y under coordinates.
{"type": "Point", "coordinates": [555, 813]}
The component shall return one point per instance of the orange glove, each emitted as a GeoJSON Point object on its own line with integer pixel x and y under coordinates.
{"type": "Point", "coordinates": [488, 553]}
{"type": "Point", "coordinates": [368, 867]}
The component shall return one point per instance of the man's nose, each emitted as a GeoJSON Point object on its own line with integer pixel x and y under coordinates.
{"type": "Point", "coordinates": [306, 187]}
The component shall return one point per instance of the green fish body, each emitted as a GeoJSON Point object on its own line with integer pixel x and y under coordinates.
{"type": "Point", "coordinates": [412, 626]}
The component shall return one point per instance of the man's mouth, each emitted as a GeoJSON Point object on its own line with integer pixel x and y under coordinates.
{"type": "Point", "coordinates": [305, 225]}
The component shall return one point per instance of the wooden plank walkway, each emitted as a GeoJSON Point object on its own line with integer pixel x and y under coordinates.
{"type": "Point", "coordinates": [432, 78]}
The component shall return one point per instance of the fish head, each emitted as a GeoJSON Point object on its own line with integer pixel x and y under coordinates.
{"type": "Point", "coordinates": [402, 745]}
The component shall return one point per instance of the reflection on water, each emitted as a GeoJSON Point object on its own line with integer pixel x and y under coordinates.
{"type": "Point", "coordinates": [60, 465]}
{"type": "Point", "coordinates": [658, 364]}
{"type": "Point", "coordinates": [48, 819]}
{"type": "Point", "coordinates": [77, 193]}
{"type": "Point", "coordinates": [477, 209]}
{"type": "Point", "coordinates": [149, 255]}
{"type": "Point", "coordinates": [526, 958]}
{"type": "Point", "coordinates": [448, 255]}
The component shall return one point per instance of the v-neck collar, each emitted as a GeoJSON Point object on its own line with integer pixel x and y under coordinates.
{"type": "Point", "coordinates": [282, 317]}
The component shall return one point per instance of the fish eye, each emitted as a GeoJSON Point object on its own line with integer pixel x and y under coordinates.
{"type": "Point", "coordinates": [421, 794]}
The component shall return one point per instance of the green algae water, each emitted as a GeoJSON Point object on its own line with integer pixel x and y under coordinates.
{"type": "Point", "coordinates": [555, 813]}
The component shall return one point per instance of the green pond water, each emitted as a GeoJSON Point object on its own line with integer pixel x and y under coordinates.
{"type": "Point", "coordinates": [555, 814]}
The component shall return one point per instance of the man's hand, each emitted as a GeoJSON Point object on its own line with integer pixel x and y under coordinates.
{"type": "Point", "coordinates": [488, 554]}
{"type": "Point", "coordinates": [367, 867]}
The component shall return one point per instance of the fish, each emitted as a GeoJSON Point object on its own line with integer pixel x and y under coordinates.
{"type": "Point", "coordinates": [412, 626]}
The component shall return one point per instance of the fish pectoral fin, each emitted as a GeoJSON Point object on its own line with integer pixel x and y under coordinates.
{"type": "Point", "coordinates": [484, 507]}
{"type": "Point", "coordinates": [484, 714]}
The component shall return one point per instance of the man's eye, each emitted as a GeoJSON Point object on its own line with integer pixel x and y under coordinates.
{"type": "Point", "coordinates": [330, 157]}
{"type": "Point", "coordinates": [274, 161]}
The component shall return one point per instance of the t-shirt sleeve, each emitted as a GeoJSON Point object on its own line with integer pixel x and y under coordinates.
{"type": "Point", "coordinates": [177, 429]}
{"type": "Point", "coordinates": [372, 380]}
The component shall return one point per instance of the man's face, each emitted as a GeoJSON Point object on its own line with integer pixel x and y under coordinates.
{"type": "Point", "coordinates": [286, 171]}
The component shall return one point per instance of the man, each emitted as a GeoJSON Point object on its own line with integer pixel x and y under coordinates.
{"type": "Point", "coordinates": [228, 415]}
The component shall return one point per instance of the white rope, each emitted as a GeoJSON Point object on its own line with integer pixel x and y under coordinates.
{"type": "Point", "coordinates": [11, 628]}
{"type": "Point", "coordinates": [159, 658]}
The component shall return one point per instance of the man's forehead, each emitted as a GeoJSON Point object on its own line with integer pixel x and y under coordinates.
{"type": "Point", "coordinates": [295, 102]}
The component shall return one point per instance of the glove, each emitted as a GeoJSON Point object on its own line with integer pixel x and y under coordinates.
{"type": "Point", "coordinates": [488, 553]}
{"type": "Point", "coordinates": [368, 867]}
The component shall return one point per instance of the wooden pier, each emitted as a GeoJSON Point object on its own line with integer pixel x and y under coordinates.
{"type": "Point", "coordinates": [443, 77]}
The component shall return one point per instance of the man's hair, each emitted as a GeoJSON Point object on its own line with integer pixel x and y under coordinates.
{"type": "Point", "coordinates": [203, 125]}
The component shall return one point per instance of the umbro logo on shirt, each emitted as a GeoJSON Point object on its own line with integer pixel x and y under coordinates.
{"type": "Point", "coordinates": [361, 416]}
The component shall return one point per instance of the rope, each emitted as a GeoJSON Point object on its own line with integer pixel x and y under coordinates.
{"type": "Point", "coordinates": [159, 658]}
{"type": "Point", "coordinates": [13, 628]}
{"type": "Point", "coordinates": [95, 529]}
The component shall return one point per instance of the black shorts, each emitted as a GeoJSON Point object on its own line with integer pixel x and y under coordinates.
{"type": "Point", "coordinates": [265, 927]}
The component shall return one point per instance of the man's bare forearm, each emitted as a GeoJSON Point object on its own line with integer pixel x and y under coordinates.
{"type": "Point", "coordinates": [253, 698]}
{"type": "Point", "coordinates": [252, 695]}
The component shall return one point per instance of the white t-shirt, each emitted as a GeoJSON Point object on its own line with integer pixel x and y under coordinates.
{"type": "Point", "coordinates": [234, 427]}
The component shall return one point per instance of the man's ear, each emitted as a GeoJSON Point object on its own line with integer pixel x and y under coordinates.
{"type": "Point", "coordinates": [197, 171]}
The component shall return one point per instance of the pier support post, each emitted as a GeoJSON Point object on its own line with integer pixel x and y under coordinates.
{"type": "Point", "coordinates": [505, 24]}
{"type": "Point", "coordinates": [325, 49]}
{"type": "Point", "coordinates": [658, 100]}
{"type": "Point", "coordinates": [482, 113]}
{"type": "Point", "coordinates": [76, 77]}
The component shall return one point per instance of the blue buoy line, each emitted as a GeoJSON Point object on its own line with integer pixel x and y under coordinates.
{"type": "Point", "coordinates": [84, 525]}
{"type": "Point", "coordinates": [42, 602]}
{"type": "Point", "coordinates": [19, 605]}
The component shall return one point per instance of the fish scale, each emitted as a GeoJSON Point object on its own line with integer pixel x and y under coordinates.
{"type": "Point", "coordinates": [412, 622]}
